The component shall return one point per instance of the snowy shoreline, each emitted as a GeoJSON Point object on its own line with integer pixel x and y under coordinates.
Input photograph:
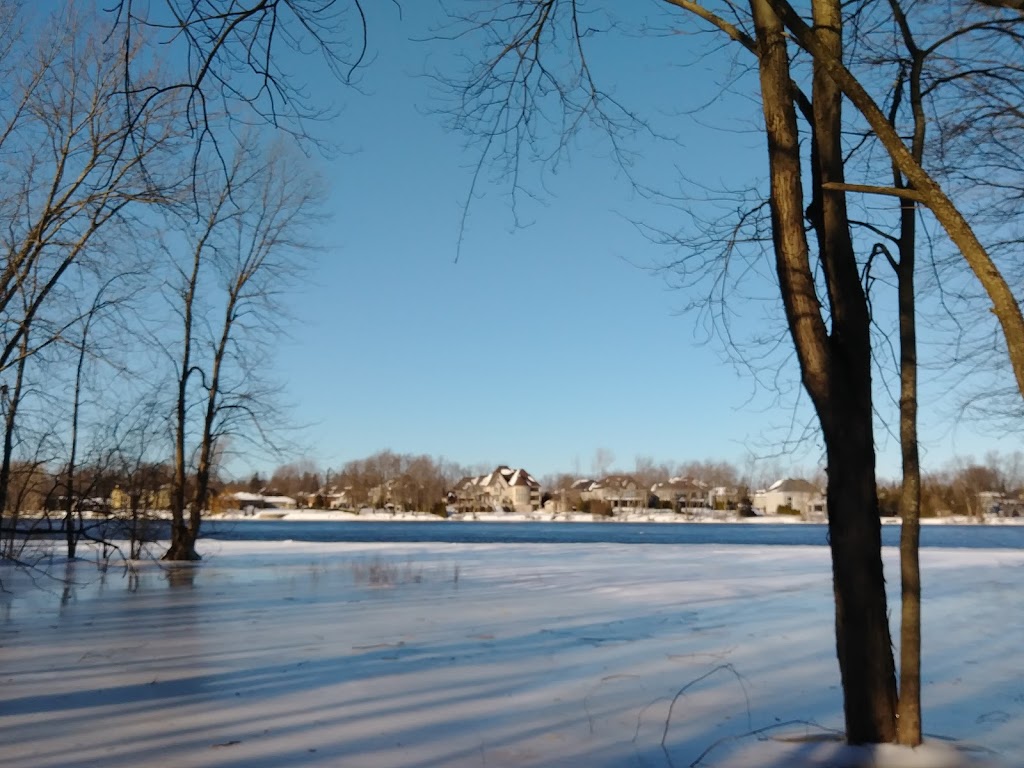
{"type": "Point", "coordinates": [415, 655]}
{"type": "Point", "coordinates": [642, 516]}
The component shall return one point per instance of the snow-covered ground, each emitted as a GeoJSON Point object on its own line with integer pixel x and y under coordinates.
{"type": "Point", "coordinates": [423, 655]}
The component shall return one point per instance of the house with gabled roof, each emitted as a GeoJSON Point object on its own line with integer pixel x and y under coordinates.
{"type": "Point", "coordinates": [504, 488]}
{"type": "Point", "coordinates": [793, 494]}
{"type": "Point", "coordinates": [618, 491]}
{"type": "Point", "coordinates": [682, 493]}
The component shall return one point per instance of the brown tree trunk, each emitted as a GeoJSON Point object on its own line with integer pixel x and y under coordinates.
{"type": "Point", "coordinates": [925, 189]}
{"type": "Point", "coordinates": [183, 533]}
{"type": "Point", "coordinates": [863, 641]}
{"type": "Point", "coordinates": [909, 710]}
{"type": "Point", "coordinates": [11, 402]}
{"type": "Point", "coordinates": [71, 520]}
{"type": "Point", "coordinates": [836, 371]}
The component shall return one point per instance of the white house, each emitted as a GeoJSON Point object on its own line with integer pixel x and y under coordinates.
{"type": "Point", "coordinates": [258, 501]}
{"type": "Point", "coordinates": [801, 496]}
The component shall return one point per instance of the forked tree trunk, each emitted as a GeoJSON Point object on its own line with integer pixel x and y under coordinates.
{"type": "Point", "coordinates": [836, 371]}
{"type": "Point", "coordinates": [925, 189]}
{"type": "Point", "coordinates": [863, 640]}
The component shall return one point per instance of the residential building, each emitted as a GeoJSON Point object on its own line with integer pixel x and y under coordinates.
{"type": "Point", "coordinates": [251, 501]}
{"type": "Point", "coordinates": [619, 491]}
{"type": "Point", "coordinates": [159, 498]}
{"type": "Point", "coordinates": [511, 490]}
{"type": "Point", "coordinates": [800, 496]}
{"type": "Point", "coordinates": [724, 497]}
{"type": "Point", "coordinates": [682, 493]}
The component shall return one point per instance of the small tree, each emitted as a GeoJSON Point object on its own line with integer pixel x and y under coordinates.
{"type": "Point", "coordinates": [241, 256]}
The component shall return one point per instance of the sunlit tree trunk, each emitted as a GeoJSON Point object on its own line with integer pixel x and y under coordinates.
{"type": "Point", "coordinates": [836, 371]}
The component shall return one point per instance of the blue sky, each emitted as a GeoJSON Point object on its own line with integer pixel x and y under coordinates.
{"type": "Point", "coordinates": [545, 341]}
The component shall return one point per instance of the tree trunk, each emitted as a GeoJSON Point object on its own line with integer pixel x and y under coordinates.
{"type": "Point", "coordinates": [71, 530]}
{"type": "Point", "coordinates": [836, 371]}
{"type": "Point", "coordinates": [11, 401]}
{"type": "Point", "coordinates": [1004, 304]}
{"type": "Point", "coordinates": [909, 712]}
{"type": "Point", "coordinates": [183, 545]}
{"type": "Point", "coordinates": [863, 641]}
{"type": "Point", "coordinates": [183, 538]}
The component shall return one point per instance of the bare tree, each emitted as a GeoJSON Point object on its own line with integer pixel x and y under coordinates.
{"type": "Point", "coordinates": [68, 194]}
{"type": "Point", "coordinates": [253, 225]}
{"type": "Point", "coordinates": [602, 462]}
{"type": "Point", "coordinates": [69, 188]}
{"type": "Point", "coordinates": [233, 58]}
{"type": "Point", "coordinates": [921, 187]}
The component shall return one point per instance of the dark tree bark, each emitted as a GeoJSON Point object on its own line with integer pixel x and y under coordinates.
{"type": "Point", "coordinates": [909, 713]}
{"type": "Point", "coordinates": [183, 533]}
{"type": "Point", "coordinates": [836, 371]}
{"type": "Point", "coordinates": [10, 402]}
{"type": "Point", "coordinates": [909, 708]}
{"type": "Point", "coordinates": [921, 187]}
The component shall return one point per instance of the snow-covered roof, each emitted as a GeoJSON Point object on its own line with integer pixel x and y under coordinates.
{"type": "Point", "coordinates": [509, 475]}
{"type": "Point", "coordinates": [244, 496]}
{"type": "Point", "coordinates": [679, 484]}
{"type": "Point", "coordinates": [793, 485]}
{"type": "Point", "coordinates": [616, 481]}
{"type": "Point", "coordinates": [279, 499]}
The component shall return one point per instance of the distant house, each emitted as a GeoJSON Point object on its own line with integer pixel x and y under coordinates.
{"type": "Point", "coordinates": [619, 491]}
{"type": "Point", "coordinates": [243, 500]}
{"type": "Point", "coordinates": [797, 495]}
{"type": "Point", "coordinates": [159, 498]}
{"type": "Point", "coordinates": [724, 497]}
{"type": "Point", "coordinates": [336, 499]}
{"type": "Point", "coordinates": [681, 493]}
{"type": "Point", "coordinates": [569, 498]}
{"type": "Point", "coordinates": [1000, 504]}
{"type": "Point", "coordinates": [280, 502]}
{"type": "Point", "coordinates": [512, 490]}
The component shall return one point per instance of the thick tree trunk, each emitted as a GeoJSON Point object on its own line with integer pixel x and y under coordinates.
{"type": "Point", "coordinates": [836, 371]}
{"type": "Point", "coordinates": [183, 545]}
{"type": "Point", "coordinates": [1005, 306]}
{"type": "Point", "coordinates": [863, 641]}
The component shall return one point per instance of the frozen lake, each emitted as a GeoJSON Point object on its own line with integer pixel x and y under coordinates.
{"type": "Point", "coordinates": [424, 655]}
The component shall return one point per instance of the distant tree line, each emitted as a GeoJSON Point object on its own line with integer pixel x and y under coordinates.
{"type": "Point", "coordinates": [420, 482]}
